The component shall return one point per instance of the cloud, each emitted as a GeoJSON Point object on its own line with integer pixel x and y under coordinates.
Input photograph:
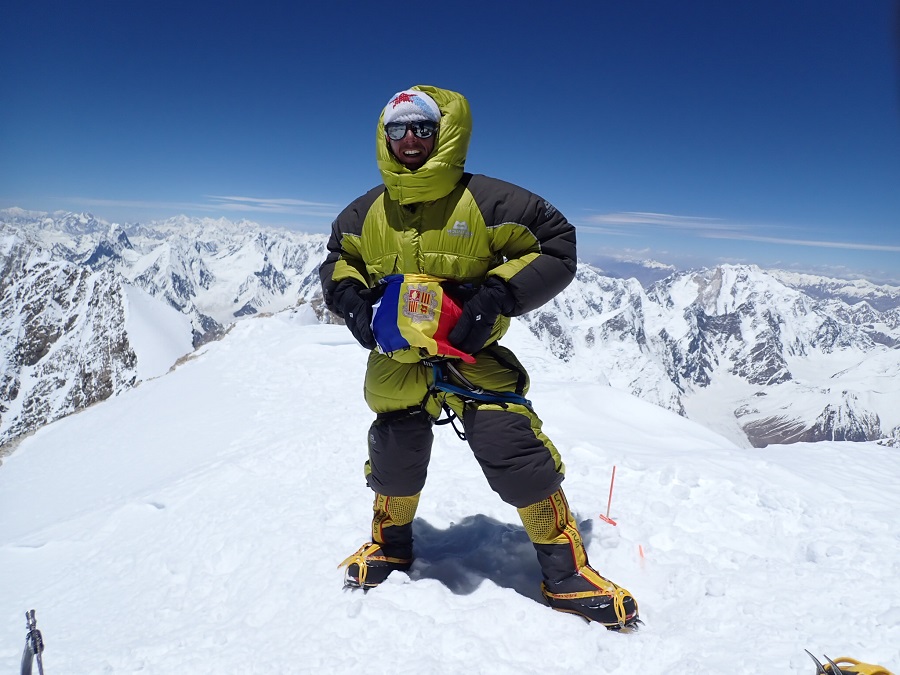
{"type": "Point", "coordinates": [222, 204]}
{"type": "Point", "coordinates": [710, 228]}
{"type": "Point", "coordinates": [134, 204]}
{"type": "Point", "coordinates": [602, 230]}
{"type": "Point", "coordinates": [806, 242]}
{"type": "Point", "coordinates": [631, 218]}
{"type": "Point", "coordinates": [273, 205]}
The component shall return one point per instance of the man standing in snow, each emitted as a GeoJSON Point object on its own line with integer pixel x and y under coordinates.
{"type": "Point", "coordinates": [462, 253]}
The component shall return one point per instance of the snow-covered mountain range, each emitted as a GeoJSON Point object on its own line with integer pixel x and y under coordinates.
{"type": "Point", "coordinates": [735, 349]}
{"type": "Point", "coordinates": [91, 308]}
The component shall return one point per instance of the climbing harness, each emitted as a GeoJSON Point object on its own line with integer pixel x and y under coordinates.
{"type": "Point", "coordinates": [446, 378]}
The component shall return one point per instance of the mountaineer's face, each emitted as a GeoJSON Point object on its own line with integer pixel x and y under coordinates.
{"type": "Point", "coordinates": [411, 142]}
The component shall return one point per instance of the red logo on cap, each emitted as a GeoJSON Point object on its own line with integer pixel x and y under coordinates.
{"type": "Point", "coordinates": [402, 97]}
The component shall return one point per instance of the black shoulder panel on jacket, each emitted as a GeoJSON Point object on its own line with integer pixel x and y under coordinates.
{"type": "Point", "coordinates": [349, 221]}
{"type": "Point", "coordinates": [548, 274]}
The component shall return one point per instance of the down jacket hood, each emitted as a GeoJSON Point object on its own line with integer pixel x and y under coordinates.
{"type": "Point", "coordinates": [444, 168]}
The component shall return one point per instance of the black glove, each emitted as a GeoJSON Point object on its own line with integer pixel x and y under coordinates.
{"type": "Point", "coordinates": [474, 327]}
{"type": "Point", "coordinates": [351, 300]}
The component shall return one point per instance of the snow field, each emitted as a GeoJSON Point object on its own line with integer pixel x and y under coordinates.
{"type": "Point", "coordinates": [195, 523]}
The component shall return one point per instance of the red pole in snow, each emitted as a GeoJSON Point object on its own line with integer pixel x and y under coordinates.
{"type": "Point", "coordinates": [606, 518]}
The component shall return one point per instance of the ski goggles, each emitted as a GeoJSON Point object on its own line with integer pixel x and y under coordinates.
{"type": "Point", "coordinates": [423, 129]}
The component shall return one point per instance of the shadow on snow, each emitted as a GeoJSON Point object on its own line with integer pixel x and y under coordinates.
{"type": "Point", "coordinates": [479, 548]}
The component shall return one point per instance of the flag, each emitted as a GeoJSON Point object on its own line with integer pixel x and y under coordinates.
{"type": "Point", "coordinates": [415, 313]}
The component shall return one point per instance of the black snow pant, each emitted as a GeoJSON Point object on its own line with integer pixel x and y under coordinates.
{"type": "Point", "coordinates": [520, 463]}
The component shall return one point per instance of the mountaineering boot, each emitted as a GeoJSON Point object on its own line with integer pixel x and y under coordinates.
{"type": "Point", "coordinates": [593, 597]}
{"type": "Point", "coordinates": [570, 583]}
{"type": "Point", "coordinates": [391, 545]}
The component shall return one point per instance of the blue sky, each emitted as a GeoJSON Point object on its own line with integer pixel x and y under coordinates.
{"type": "Point", "coordinates": [692, 133]}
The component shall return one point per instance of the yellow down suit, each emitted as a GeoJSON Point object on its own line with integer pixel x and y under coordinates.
{"type": "Point", "coordinates": [463, 228]}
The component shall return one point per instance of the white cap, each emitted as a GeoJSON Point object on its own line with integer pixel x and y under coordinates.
{"type": "Point", "coordinates": [411, 106]}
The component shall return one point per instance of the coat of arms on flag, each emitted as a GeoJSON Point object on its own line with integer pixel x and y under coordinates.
{"type": "Point", "coordinates": [419, 302]}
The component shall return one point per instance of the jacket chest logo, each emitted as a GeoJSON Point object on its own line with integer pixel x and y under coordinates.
{"type": "Point", "coordinates": [419, 303]}
{"type": "Point", "coordinates": [459, 229]}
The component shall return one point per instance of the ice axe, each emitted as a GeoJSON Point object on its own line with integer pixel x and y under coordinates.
{"type": "Point", "coordinates": [34, 646]}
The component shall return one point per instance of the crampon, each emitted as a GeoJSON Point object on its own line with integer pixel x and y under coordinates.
{"type": "Point", "coordinates": [844, 665]}
{"type": "Point", "coordinates": [369, 566]}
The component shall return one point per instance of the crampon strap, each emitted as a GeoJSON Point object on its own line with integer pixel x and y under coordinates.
{"type": "Point", "coordinates": [365, 555]}
{"type": "Point", "coordinates": [618, 595]}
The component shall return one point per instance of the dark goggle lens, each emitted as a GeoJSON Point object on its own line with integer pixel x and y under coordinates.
{"type": "Point", "coordinates": [397, 130]}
